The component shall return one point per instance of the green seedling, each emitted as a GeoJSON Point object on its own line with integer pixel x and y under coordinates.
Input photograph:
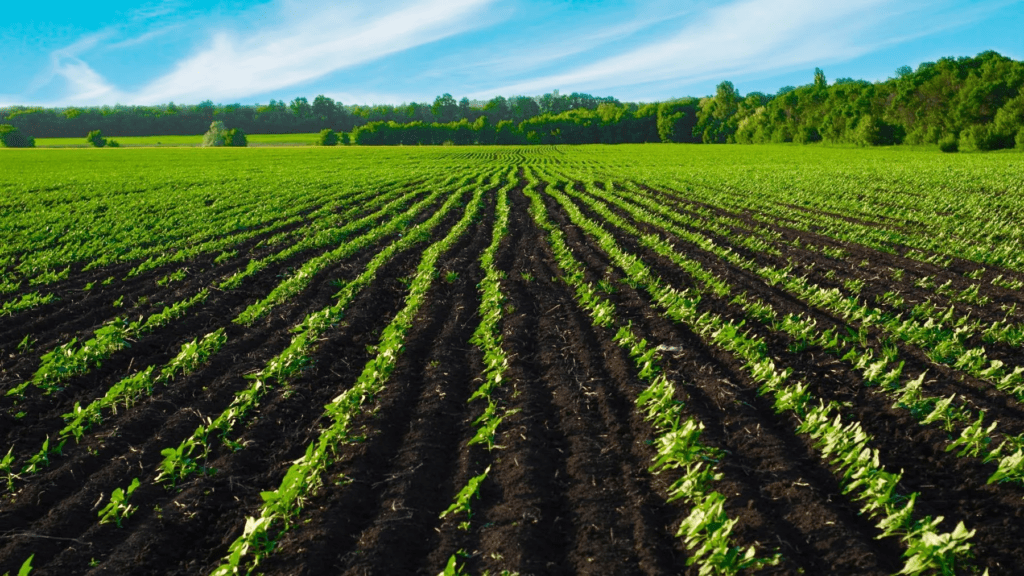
{"type": "Point", "coordinates": [118, 508]}
{"type": "Point", "coordinates": [26, 344]}
{"type": "Point", "coordinates": [26, 567]}
{"type": "Point", "coordinates": [6, 469]}
{"type": "Point", "coordinates": [41, 459]}
{"type": "Point", "coordinates": [975, 274]}
{"type": "Point", "coordinates": [463, 498]}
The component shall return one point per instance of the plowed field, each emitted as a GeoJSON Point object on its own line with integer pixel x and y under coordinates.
{"type": "Point", "coordinates": [580, 360]}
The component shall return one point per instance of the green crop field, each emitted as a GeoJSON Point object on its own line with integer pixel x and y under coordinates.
{"type": "Point", "coordinates": [632, 359]}
{"type": "Point", "coordinates": [175, 141]}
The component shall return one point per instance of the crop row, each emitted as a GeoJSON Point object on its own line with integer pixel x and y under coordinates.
{"type": "Point", "coordinates": [283, 504]}
{"type": "Point", "coordinates": [842, 444]}
{"type": "Point", "coordinates": [885, 369]}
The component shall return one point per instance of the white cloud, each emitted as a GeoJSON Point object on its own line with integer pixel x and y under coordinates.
{"type": "Point", "coordinates": [143, 38]}
{"type": "Point", "coordinates": [156, 10]}
{"type": "Point", "coordinates": [737, 38]}
{"type": "Point", "coordinates": [563, 41]}
{"type": "Point", "coordinates": [270, 47]}
{"type": "Point", "coordinates": [306, 47]}
{"type": "Point", "coordinates": [650, 46]}
{"type": "Point", "coordinates": [84, 85]}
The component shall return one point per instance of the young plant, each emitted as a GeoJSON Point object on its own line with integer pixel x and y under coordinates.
{"type": "Point", "coordinates": [6, 464]}
{"type": "Point", "coordinates": [26, 343]}
{"type": "Point", "coordinates": [118, 508]}
{"type": "Point", "coordinates": [26, 567]}
{"type": "Point", "coordinates": [463, 498]}
{"type": "Point", "coordinates": [41, 459]}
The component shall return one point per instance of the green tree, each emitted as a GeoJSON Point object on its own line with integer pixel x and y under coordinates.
{"type": "Point", "coordinates": [215, 135]}
{"type": "Point", "coordinates": [96, 139]}
{"type": "Point", "coordinates": [462, 133]}
{"type": "Point", "coordinates": [235, 137]}
{"type": "Point", "coordinates": [716, 122]}
{"type": "Point", "coordinates": [485, 132]}
{"type": "Point", "coordinates": [505, 132]}
{"type": "Point", "coordinates": [1008, 121]}
{"type": "Point", "coordinates": [755, 128]}
{"type": "Point", "coordinates": [300, 108]}
{"type": "Point", "coordinates": [368, 134]}
{"type": "Point", "coordinates": [497, 109]}
{"type": "Point", "coordinates": [948, 143]}
{"type": "Point", "coordinates": [11, 137]}
{"type": "Point", "coordinates": [324, 109]}
{"type": "Point", "coordinates": [643, 126]}
{"type": "Point", "coordinates": [978, 138]}
{"type": "Point", "coordinates": [819, 79]}
{"type": "Point", "coordinates": [445, 108]}
{"type": "Point", "coordinates": [677, 120]}
{"type": "Point", "coordinates": [522, 108]}
{"type": "Point", "coordinates": [806, 135]}
{"type": "Point", "coordinates": [204, 110]}
{"type": "Point", "coordinates": [873, 131]}
{"type": "Point", "coordinates": [327, 137]}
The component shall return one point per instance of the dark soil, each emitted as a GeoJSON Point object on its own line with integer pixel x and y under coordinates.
{"type": "Point", "coordinates": [569, 490]}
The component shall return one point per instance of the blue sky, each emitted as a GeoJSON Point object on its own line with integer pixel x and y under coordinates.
{"type": "Point", "coordinates": [154, 52]}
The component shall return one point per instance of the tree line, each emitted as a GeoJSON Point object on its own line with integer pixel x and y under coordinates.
{"type": "Point", "coordinates": [278, 117]}
{"type": "Point", "coordinates": [970, 103]}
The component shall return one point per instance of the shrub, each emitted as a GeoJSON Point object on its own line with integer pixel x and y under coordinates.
{"type": "Point", "coordinates": [978, 138]}
{"type": "Point", "coordinates": [368, 134]}
{"type": "Point", "coordinates": [215, 135]}
{"type": "Point", "coordinates": [96, 139]}
{"type": "Point", "coordinates": [11, 137]}
{"type": "Point", "coordinates": [948, 143]}
{"type": "Point", "coordinates": [873, 131]}
{"type": "Point", "coordinates": [782, 134]}
{"type": "Point", "coordinates": [219, 135]}
{"type": "Point", "coordinates": [806, 135]}
{"type": "Point", "coordinates": [676, 120]}
{"type": "Point", "coordinates": [344, 139]}
{"type": "Point", "coordinates": [235, 137]}
{"type": "Point", "coordinates": [327, 137]}
{"type": "Point", "coordinates": [113, 144]}
{"type": "Point", "coordinates": [1009, 121]}
{"type": "Point", "coordinates": [1020, 139]}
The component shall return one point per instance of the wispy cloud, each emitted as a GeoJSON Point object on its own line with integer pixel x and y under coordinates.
{"type": "Point", "coordinates": [83, 84]}
{"type": "Point", "coordinates": [741, 37]}
{"type": "Point", "coordinates": [144, 38]}
{"type": "Point", "coordinates": [156, 10]}
{"type": "Point", "coordinates": [413, 49]}
{"type": "Point", "coordinates": [236, 64]}
{"type": "Point", "coordinates": [560, 43]}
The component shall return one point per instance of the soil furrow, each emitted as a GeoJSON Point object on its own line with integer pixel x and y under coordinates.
{"type": "Point", "coordinates": [783, 494]}
{"type": "Point", "coordinates": [951, 487]}
{"type": "Point", "coordinates": [183, 413]}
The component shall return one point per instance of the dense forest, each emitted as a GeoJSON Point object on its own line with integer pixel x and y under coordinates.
{"type": "Point", "coordinates": [967, 103]}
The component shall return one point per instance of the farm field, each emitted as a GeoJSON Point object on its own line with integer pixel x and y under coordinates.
{"type": "Point", "coordinates": [174, 141]}
{"type": "Point", "coordinates": [633, 359]}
